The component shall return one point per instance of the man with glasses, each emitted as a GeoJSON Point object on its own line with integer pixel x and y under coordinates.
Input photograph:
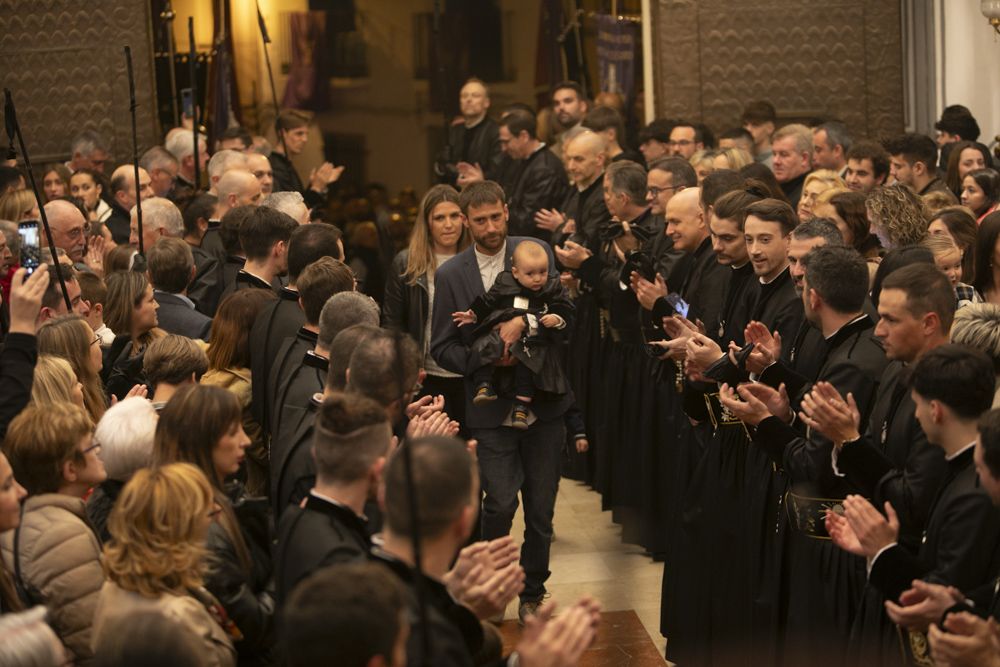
{"type": "Point", "coordinates": [69, 229]}
{"type": "Point", "coordinates": [685, 140]}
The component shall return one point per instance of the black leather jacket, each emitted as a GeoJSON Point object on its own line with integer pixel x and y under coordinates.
{"type": "Point", "coordinates": [404, 307]}
{"type": "Point", "coordinates": [247, 597]}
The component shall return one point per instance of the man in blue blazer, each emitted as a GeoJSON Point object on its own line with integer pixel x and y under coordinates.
{"type": "Point", "coordinates": [171, 266]}
{"type": "Point", "coordinates": [510, 460]}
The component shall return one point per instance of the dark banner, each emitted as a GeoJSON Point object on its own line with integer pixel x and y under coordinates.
{"type": "Point", "coordinates": [616, 46]}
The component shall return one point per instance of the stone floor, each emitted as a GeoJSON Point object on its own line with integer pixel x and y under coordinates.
{"type": "Point", "coordinates": [589, 557]}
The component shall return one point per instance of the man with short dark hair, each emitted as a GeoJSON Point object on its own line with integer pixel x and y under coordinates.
{"type": "Point", "coordinates": [831, 142]}
{"type": "Point", "coordinates": [263, 235]}
{"type": "Point", "coordinates": [351, 441]}
{"type": "Point", "coordinates": [608, 123]}
{"type": "Point", "coordinates": [951, 386]}
{"type": "Point", "coordinates": [737, 137]}
{"type": "Point", "coordinates": [356, 612]}
{"type": "Point", "coordinates": [956, 124]}
{"type": "Point", "coordinates": [171, 269]}
{"type": "Point", "coordinates": [53, 303]}
{"type": "Point", "coordinates": [569, 104]}
{"type": "Point", "coordinates": [759, 118]}
{"type": "Point", "coordinates": [912, 162]}
{"type": "Point", "coordinates": [234, 138]}
{"type": "Point", "coordinates": [686, 139]}
{"type": "Point", "coordinates": [542, 183]}
{"type": "Point", "coordinates": [654, 139]}
{"type": "Point", "coordinates": [867, 166]}
{"type": "Point", "coordinates": [283, 318]}
{"type": "Point", "coordinates": [169, 363]}
{"type": "Point", "coordinates": [512, 460]}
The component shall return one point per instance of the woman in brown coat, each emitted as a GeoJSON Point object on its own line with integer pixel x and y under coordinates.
{"type": "Point", "coordinates": [157, 561]}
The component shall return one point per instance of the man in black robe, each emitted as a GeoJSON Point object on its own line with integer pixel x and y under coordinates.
{"type": "Point", "coordinates": [824, 589]}
{"type": "Point", "coordinates": [350, 445]}
{"type": "Point", "coordinates": [264, 236]}
{"type": "Point", "coordinates": [892, 461]}
{"type": "Point", "coordinates": [475, 140]}
{"type": "Point", "coordinates": [542, 184]}
{"type": "Point", "coordinates": [583, 214]}
{"type": "Point", "coordinates": [282, 319]}
{"type": "Point", "coordinates": [341, 311]}
{"type": "Point", "coordinates": [317, 283]}
{"type": "Point", "coordinates": [952, 386]}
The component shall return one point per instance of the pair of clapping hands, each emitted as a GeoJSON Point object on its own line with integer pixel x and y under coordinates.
{"type": "Point", "coordinates": [486, 577]}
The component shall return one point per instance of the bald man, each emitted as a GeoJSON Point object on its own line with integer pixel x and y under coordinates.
{"type": "Point", "coordinates": [123, 196]}
{"type": "Point", "coordinates": [67, 224]}
{"type": "Point", "coordinates": [475, 140]}
{"type": "Point", "coordinates": [237, 187]}
{"type": "Point", "coordinates": [585, 157]}
{"type": "Point", "coordinates": [260, 167]}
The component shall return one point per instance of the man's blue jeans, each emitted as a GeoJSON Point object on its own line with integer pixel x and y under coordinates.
{"type": "Point", "coordinates": [512, 460]}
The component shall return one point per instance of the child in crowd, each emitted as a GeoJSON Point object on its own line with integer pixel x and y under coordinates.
{"type": "Point", "coordinates": [948, 259]}
{"type": "Point", "coordinates": [527, 290]}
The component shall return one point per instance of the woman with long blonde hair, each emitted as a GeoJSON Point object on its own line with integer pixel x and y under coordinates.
{"type": "Point", "coordinates": [55, 382]}
{"type": "Point", "coordinates": [18, 206]}
{"type": "Point", "coordinates": [71, 338]}
{"type": "Point", "coordinates": [157, 560]}
{"type": "Point", "coordinates": [438, 235]}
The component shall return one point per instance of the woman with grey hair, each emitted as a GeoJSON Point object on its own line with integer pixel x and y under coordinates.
{"type": "Point", "coordinates": [125, 434]}
{"type": "Point", "coordinates": [978, 325]}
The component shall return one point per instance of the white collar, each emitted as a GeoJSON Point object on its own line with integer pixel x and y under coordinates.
{"type": "Point", "coordinates": [960, 452]}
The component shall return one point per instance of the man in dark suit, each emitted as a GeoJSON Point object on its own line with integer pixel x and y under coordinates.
{"type": "Point", "coordinates": [543, 183]}
{"type": "Point", "coordinates": [282, 318]}
{"type": "Point", "coordinates": [510, 460]}
{"type": "Point", "coordinates": [474, 140]}
{"type": "Point", "coordinates": [171, 266]}
{"type": "Point", "coordinates": [263, 235]}
{"type": "Point", "coordinates": [352, 437]}
{"type": "Point", "coordinates": [952, 386]}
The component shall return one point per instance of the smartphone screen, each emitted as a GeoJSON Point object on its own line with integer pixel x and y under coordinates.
{"type": "Point", "coordinates": [680, 306]}
{"type": "Point", "coordinates": [187, 102]}
{"type": "Point", "coordinates": [31, 256]}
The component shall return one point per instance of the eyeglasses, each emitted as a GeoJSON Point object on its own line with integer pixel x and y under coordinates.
{"type": "Point", "coordinates": [96, 341]}
{"type": "Point", "coordinates": [655, 191]}
{"type": "Point", "coordinates": [93, 447]}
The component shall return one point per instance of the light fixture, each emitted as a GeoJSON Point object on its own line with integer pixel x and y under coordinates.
{"type": "Point", "coordinates": [991, 10]}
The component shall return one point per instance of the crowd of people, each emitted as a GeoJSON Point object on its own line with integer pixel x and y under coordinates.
{"type": "Point", "coordinates": [272, 420]}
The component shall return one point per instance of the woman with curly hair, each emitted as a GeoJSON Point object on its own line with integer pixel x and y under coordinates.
{"type": "Point", "coordinates": [157, 561]}
{"type": "Point", "coordinates": [898, 217]}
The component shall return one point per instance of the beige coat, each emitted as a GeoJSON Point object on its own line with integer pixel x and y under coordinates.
{"type": "Point", "coordinates": [215, 646]}
{"type": "Point", "coordinates": [237, 381]}
{"type": "Point", "coordinates": [60, 566]}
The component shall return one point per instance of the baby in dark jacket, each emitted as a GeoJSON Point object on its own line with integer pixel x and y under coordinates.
{"type": "Point", "coordinates": [528, 290]}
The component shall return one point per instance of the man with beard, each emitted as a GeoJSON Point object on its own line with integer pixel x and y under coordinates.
{"type": "Point", "coordinates": [867, 166]}
{"type": "Point", "coordinates": [569, 105]}
{"type": "Point", "coordinates": [510, 460]}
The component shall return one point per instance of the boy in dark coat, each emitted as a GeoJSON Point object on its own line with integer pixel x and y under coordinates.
{"type": "Point", "coordinates": [529, 290]}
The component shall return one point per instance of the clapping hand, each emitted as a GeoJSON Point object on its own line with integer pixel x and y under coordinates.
{"type": "Point", "coordinates": [965, 641]}
{"type": "Point", "coordinates": [469, 173]}
{"type": "Point", "coordinates": [559, 641]}
{"type": "Point", "coordinates": [922, 605]}
{"type": "Point", "coordinates": [824, 411]}
{"type": "Point", "coordinates": [702, 352]}
{"type": "Point", "coordinates": [322, 176]}
{"type": "Point", "coordinates": [646, 293]}
{"type": "Point", "coordinates": [486, 576]}
{"type": "Point", "coordinates": [425, 405]}
{"type": "Point", "coordinates": [572, 255]}
{"type": "Point", "coordinates": [549, 219]}
{"type": "Point", "coordinates": [862, 530]}
{"type": "Point", "coordinates": [766, 347]}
